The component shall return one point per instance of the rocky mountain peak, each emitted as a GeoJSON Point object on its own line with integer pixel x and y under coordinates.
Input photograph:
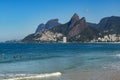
{"type": "Point", "coordinates": [42, 24]}
{"type": "Point", "coordinates": [83, 19]}
{"type": "Point", "coordinates": [53, 20]}
{"type": "Point", "coordinates": [77, 27]}
{"type": "Point", "coordinates": [52, 23]}
{"type": "Point", "coordinates": [83, 22]}
{"type": "Point", "coordinates": [74, 18]}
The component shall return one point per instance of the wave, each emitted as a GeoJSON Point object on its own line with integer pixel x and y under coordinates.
{"type": "Point", "coordinates": [118, 55]}
{"type": "Point", "coordinates": [35, 76]}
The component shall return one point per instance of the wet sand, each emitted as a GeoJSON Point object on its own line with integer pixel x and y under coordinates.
{"type": "Point", "coordinates": [102, 74]}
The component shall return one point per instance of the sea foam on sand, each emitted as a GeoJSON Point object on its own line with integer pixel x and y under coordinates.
{"type": "Point", "coordinates": [38, 76]}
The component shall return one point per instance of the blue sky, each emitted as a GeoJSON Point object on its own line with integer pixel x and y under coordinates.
{"type": "Point", "coordinates": [19, 18]}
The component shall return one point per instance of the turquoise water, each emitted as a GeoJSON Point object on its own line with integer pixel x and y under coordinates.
{"type": "Point", "coordinates": [56, 57]}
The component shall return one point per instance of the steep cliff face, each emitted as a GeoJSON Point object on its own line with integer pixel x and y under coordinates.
{"type": "Point", "coordinates": [40, 28]}
{"type": "Point", "coordinates": [71, 28]}
{"type": "Point", "coordinates": [86, 35]}
{"type": "Point", "coordinates": [73, 20]}
{"type": "Point", "coordinates": [51, 23]}
{"type": "Point", "coordinates": [77, 27]}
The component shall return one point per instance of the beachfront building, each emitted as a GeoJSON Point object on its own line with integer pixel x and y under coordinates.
{"type": "Point", "coordinates": [64, 39]}
{"type": "Point", "coordinates": [109, 38]}
{"type": "Point", "coordinates": [112, 37]}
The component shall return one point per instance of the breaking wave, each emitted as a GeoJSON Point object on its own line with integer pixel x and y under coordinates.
{"type": "Point", "coordinates": [33, 76]}
{"type": "Point", "coordinates": [118, 55]}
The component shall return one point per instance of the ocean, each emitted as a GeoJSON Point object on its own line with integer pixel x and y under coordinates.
{"type": "Point", "coordinates": [58, 61]}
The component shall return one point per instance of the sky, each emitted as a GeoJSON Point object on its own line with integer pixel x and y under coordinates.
{"type": "Point", "coordinates": [18, 18]}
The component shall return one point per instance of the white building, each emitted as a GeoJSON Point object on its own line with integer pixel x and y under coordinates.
{"type": "Point", "coordinates": [112, 37]}
{"type": "Point", "coordinates": [64, 39]}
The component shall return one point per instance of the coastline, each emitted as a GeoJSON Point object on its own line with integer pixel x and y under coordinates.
{"type": "Point", "coordinates": [87, 74]}
{"type": "Point", "coordinates": [59, 42]}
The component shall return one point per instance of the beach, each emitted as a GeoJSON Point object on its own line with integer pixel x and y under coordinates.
{"type": "Point", "coordinates": [70, 61]}
{"type": "Point", "coordinates": [93, 75]}
{"type": "Point", "coordinates": [77, 75]}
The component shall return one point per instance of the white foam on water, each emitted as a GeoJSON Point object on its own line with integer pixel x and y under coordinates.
{"type": "Point", "coordinates": [118, 55]}
{"type": "Point", "coordinates": [37, 76]}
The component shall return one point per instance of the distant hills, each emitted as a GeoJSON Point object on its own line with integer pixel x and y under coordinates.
{"type": "Point", "coordinates": [51, 23]}
{"type": "Point", "coordinates": [77, 30]}
{"type": "Point", "coordinates": [110, 25]}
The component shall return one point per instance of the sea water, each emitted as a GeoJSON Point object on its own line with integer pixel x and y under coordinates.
{"type": "Point", "coordinates": [25, 60]}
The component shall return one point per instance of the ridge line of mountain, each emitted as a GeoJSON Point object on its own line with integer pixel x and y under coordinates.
{"type": "Point", "coordinates": [77, 30]}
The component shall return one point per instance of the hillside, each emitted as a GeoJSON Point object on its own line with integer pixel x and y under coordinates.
{"type": "Point", "coordinates": [77, 30]}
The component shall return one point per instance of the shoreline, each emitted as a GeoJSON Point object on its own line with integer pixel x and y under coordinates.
{"type": "Point", "coordinates": [59, 42]}
{"type": "Point", "coordinates": [102, 74]}
{"type": "Point", "coordinates": [88, 74]}
{"type": "Point", "coordinates": [33, 76]}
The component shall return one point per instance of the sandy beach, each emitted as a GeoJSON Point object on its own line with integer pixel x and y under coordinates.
{"type": "Point", "coordinates": [103, 74]}
{"type": "Point", "coordinates": [79, 75]}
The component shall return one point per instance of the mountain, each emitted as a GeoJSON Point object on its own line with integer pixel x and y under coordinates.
{"type": "Point", "coordinates": [71, 28]}
{"type": "Point", "coordinates": [86, 35]}
{"type": "Point", "coordinates": [50, 32]}
{"type": "Point", "coordinates": [51, 23]}
{"type": "Point", "coordinates": [110, 25]}
{"type": "Point", "coordinates": [45, 36]}
{"type": "Point", "coordinates": [73, 20]}
{"type": "Point", "coordinates": [77, 30]}
{"type": "Point", "coordinates": [41, 27]}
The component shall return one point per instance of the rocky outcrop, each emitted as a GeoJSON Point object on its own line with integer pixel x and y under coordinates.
{"type": "Point", "coordinates": [71, 28]}
{"type": "Point", "coordinates": [73, 20]}
{"type": "Point", "coordinates": [45, 36]}
{"type": "Point", "coordinates": [51, 23]}
{"type": "Point", "coordinates": [48, 36]}
{"type": "Point", "coordinates": [77, 27]}
{"type": "Point", "coordinates": [86, 35]}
